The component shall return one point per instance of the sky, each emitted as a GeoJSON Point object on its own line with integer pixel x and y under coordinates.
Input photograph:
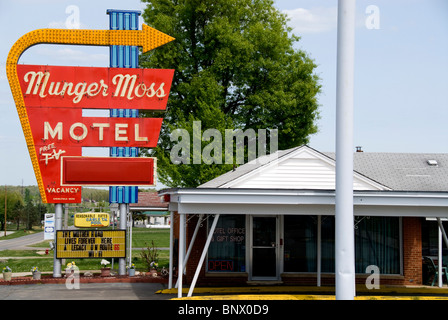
{"type": "Point", "coordinates": [401, 69]}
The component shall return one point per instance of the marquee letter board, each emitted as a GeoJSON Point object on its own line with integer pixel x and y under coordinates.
{"type": "Point", "coordinates": [90, 244]}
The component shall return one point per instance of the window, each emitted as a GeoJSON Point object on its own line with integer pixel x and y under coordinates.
{"type": "Point", "coordinates": [300, 246]}
{"type": "Point", "coordinates": [376, 243]}
{"type": "Point", "coordinates": [430, 239]}
{"type": "Point", "coordinates": [227, 250]}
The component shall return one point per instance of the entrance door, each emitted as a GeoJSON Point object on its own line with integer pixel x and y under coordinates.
{"type": "Point", "coordinates": [264, 260]}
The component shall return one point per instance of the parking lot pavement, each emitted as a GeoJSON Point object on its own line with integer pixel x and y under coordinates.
{"type": "Point", "coordinates": [86, 291]}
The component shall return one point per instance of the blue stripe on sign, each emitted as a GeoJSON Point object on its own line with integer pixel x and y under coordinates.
{"type": "Point", "coordinates": [123, 57]}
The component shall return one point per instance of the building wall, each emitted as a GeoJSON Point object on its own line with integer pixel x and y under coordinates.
{"type": "Point", "coordinates": [412, 251]}
{"type": "Point", "coordinates": [199, 244]}
{"type": "Point", "coordinates": [412, 261]}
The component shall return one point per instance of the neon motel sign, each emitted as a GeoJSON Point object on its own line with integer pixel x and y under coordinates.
{"type": "Point", "coordinates": [50, 100]}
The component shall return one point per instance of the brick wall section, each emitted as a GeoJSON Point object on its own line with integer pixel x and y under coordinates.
{"type": "Point", "coordinates": [195, 256]}
{"type": "Point", "coordinates": [198, 246]}
{"type": "Point", "coordinates": [412, 251]}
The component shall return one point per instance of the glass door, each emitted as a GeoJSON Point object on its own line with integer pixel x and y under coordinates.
{"type": "Point", "coordinates": [264, 260]}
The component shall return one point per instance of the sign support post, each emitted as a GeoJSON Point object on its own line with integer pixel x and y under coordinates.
{"type": "Point", "coordinates": [58, 226]}
{"type": "Point", "coordinates": [123, 57]}
{"type": "Point", "coordinates": [344, 221]}
{"type": "Point", "coordinates": [123, 221]}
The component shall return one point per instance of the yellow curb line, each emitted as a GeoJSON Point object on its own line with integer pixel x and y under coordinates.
{"type": "Point", "coordinates": [310, 293]}
{"type": "Point", "coordinates": [286, 297]}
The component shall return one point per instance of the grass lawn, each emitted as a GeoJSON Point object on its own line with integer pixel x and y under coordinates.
{"type": "Point", "coordinates": [141, 238]}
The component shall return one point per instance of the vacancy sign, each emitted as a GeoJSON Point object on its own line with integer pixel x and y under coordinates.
{"type": "Point", "coordinates": [50, 100]}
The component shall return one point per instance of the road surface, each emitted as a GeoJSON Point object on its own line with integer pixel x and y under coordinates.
{"type": "Point", "coordinates": [22, 243]}
{"type": "Point", "coordinates": [86, 291]}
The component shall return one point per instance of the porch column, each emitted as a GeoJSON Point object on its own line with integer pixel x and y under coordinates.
{"type": "Point", "coordinates": [190, 246]}
{"type": "Point", "coordinates": [170, 267]}
{"type": "Point", "coordinates": [181, 253]}
{"type": "Point", "coordinates": [204, 253]}
{"type": "Point", "coordinates": [319, 252]}
{"type": "Point", "coordinates": [440, 280]}
{"type": "Point", "coordinates": [442, 234]}
{"type": "Point", "coordinates": [442, 229]}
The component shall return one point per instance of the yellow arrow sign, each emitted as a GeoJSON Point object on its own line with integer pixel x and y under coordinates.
{"type": "Point", "coordinates": [148, 38]}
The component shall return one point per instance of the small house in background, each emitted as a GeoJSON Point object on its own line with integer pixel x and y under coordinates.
{"type": "Point", "coordinates": [155, 211]}
{"type": "Point", "coordinates": [272, 220]}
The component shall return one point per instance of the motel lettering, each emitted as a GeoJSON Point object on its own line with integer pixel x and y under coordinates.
{"type": "Point", "coordinates": [125, 86]}
{"type": "Point", "coordinates": [95, 88]}
{"type": "Point", "coordinates": [63, 190]}
{"type": "Point", "coordinates": [78, 131]}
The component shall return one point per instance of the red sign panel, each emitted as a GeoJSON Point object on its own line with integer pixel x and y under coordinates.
{"type": "Point", "coordinates": [66, 127]}
{"type": "Point", "coordinates": [95, 88]}
{"type": "Point", "coordinates": [54, 97]}
{"type": "Point", "coordinates": [49, 158]}
{"type": "Point", "coordinates": [98, 171]}
{"type": "Point", "coordinates": [62, 132]}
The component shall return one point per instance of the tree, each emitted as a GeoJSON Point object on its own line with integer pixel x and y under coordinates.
{"type": "Point", "coordinates": [33, 210]}
{"type": "Point", "coordinates": [235, 68]}
{"type": "Point", "coordinates": [19, 213]}
{"type": "Point", "coordinates": [12, 198]}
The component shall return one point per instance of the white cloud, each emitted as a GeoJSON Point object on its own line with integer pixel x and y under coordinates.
{"type": "Point", "coordinates": [57, 25]}
{"type": "Point", "coordinates": [71, 22]}
{"type": "Point", "coordinates": [3, 72]}
{"type": "Point", "coordinates": [69, 54]}
{"type": "Point", "coordinates": [314, 20]}
{"type": "Point", "coordinates": [66, 55]}
{"type": "Point", "coordinates": [63, 25]}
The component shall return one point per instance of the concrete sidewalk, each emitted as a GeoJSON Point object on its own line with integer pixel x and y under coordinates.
{"type": "Point", "coordinates": [159, 291]}
{"type": "Point", "coordinates": [86, 291]}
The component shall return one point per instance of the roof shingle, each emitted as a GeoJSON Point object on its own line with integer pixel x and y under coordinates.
{"type": "Point", "coordinates": [398, 171]}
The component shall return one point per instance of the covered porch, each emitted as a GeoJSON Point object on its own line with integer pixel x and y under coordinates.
{"type": "Point", "coordinates": [274, 206]}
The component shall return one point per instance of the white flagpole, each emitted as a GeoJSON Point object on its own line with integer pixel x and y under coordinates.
{"type": "Point", "coordinates": [344, 232]}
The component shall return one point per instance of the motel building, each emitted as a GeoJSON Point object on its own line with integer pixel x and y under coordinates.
{"type": "Point", "coordinates": [272, 221]}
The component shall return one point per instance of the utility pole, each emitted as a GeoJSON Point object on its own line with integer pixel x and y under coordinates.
{"type": "Point", "coordinates": [5, 208]}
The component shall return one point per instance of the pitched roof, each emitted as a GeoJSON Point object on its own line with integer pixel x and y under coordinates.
{"type": "Point", "coordinates": [404, 171]}
{"type": "Point", "coordinates": [396, 171]}
{"type": "Point", "coordinates": [149, 200]}
{"type": "Point", "coordinates": [244, 169]}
